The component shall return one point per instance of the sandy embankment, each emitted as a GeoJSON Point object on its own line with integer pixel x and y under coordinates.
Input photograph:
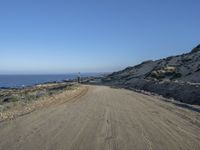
{"type": "Point", "coordinates": [21, 107]}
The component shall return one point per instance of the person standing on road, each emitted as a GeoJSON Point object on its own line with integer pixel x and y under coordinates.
{"type": "Point", "coordinates": [79, 78]}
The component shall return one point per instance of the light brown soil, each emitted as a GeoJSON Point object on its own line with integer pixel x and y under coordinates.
{"type": "Point", "coordinates": [105, 119]}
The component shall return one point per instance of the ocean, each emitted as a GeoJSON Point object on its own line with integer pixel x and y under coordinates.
{"type": "Point", "coordinates": [13, 81]}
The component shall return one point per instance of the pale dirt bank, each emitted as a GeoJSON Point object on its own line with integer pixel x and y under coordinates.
{"type": "Point", "coordinates": [105, 118]}
{"type": "Point", "coordinates": [22, 107]}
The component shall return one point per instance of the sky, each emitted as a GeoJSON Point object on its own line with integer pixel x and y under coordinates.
{"type": "Point", "coordinates": [65, 36]}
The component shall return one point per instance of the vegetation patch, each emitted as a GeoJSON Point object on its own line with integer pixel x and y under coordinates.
{"type": "Point", "coordinates": [32, 93]}
{"type": "Point", "coordinates": [163, 72]}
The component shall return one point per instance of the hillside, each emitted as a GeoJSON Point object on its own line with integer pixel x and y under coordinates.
{"type": "Point", "coordinates": [175, 76]}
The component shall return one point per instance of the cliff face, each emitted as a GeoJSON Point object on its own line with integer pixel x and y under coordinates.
{"type": "Point", "coordinates": [175, 76]}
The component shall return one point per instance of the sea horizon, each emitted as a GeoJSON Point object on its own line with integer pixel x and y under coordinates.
{"type": "Point", "coordinates": [24, 80]}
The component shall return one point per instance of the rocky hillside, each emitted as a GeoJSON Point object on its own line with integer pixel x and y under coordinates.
{"type": "Point", "coordinates": [176, 76]}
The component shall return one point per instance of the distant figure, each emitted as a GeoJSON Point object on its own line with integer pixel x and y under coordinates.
{"type": "Point", "coordinates": [79, 78]}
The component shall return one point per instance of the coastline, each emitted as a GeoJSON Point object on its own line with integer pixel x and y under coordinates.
{"type": "Point", "coordinates": [23, 81]}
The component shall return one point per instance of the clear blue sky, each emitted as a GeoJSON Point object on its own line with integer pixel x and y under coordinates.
{"type": "Point", "coordinates": [61, 36]}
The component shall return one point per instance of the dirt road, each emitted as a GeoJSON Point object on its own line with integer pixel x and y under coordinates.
{"type": "Point", "coordinates": [105, 118]}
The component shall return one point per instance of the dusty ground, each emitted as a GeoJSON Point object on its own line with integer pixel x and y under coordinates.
{"type": "Point", "coordinates": [104, 118]}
